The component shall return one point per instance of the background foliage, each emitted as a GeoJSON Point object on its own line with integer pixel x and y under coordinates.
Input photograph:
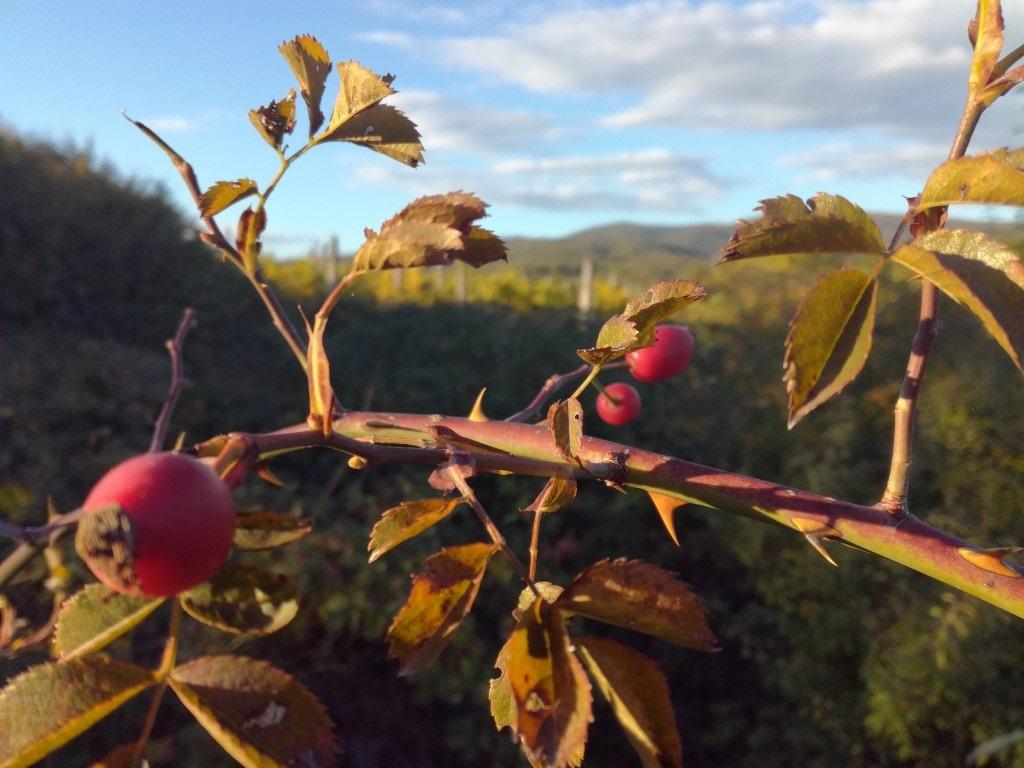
{"type": "Point", "coordinates": [864, 665]}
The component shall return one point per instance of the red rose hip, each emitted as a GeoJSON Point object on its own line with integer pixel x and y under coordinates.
{"type": "Point", "coordinates": [172, 527]}
{"type": "Point", "coordinates": [671, 352]}
{"type": "Point", "coordinates": [618, 404]}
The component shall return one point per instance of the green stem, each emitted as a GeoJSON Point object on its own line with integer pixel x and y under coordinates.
{"type": "Point", "coordinates": [586, 382]}
{"type": "Point", "coordinates": [163, 672]}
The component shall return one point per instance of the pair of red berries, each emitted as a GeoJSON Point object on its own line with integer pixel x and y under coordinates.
{"type": "Point", "coordinates": [670, 353]}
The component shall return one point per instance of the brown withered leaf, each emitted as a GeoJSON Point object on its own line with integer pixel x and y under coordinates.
{"type": "Point", "coordinates": [642, 597]}
{"type": "Point", "coordinates": [318, 374]}
{"type": "Point", "coordinates": [565, 419]}
{"type": "Point", "coordinates": [275, 120]}
{"type": "Point", "coordinates": [383, 129]}
{"type": "Point", "coordinates": [558, 492]}
{"type": "Point", "coordinates": [256, 530]}
{"type": "Point", "coordinates": [442, 594]}
{"type": "Point", "coordinates": [826, 224]}
{"type": "Point", "coordinates": [457, 210]}
{"type": "Point", "coordinates": [543, 694]}
{"type": "Point", "coordinates": [481, 246]}
{"type": "Point", "coordinates": [408, 244]}
{"type": "Point", "coordinates": [829, 339]}
{"type": "Point", "coordinates": [311, 65]}
{"type": "Point", "coordinates": [640, 698]}
{"type": "Point", "coordinates": [360, 89]}
{"type": "Point", "coordinates": [247, 235]}
{"type": "Point", "coordinates": [408, 519]}
{"type": "Point", "coordinates": [224, 194]}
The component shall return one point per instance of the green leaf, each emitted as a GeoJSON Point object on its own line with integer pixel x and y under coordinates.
{"type": "Point", "coordinates": [565, 418]}
{"type": "Point", "coordinates": [360, 89]}
{"type": "Point", "coordinates": [311, 65]}
{"type": "Point", "coordinates": [640, 698]}
{"type": "Point", "coordinates": [442, 594]}
{"type": "Point", "coordinates": [542, 693]}
{"type": "Point", "coordinates": [275, 120]}
{"type": "Point", "coordinates": [634, 327]}
{"type": "Point", "coordinates": [224, 194]}
{"type": "Point", "coordinates": [827, 224]}
{"type": "Point", "coordinates": [244, 599]}
{"type": "Point", "coordinates": [641, 597]}
{"type": "Point", "coordinates": [558, 492]}
{"type": "Point", "coordinates": [383, 129]}
{"type": "Point", "coordinates": [994, 178]}
{"type": "Point", "coordinates": [261, 716]}
{"type": "Point", "coordinates": [47, 706]}
{"type": "Point", "coordinates": [268, 530]}
{"type": "Point", "coordinates": [986, 31]}
{"type": "Point", "coordinates": [408, 519]}
{"type": "Point", "coordinates": [96, 616]}
{"type": "Point", "coordinates": [985, 276]}
{"type": "Point", "coordinates": [829, 339]}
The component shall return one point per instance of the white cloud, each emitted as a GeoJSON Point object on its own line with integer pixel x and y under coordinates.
{"type": "Point", "coordinates": [895, 65]}
{"type": "Point", "coordinates": [846, 160]}
{"type": "Point", "coordinates": [383, 37]}
{"type": "Point", "coordinates": [172, 124]}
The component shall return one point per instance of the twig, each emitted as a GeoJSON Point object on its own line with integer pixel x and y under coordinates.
{"type": "Point", "coordinates": [535, 409]}
{"type": "Point", "coordinates": [32, 536]}
{"type": "Point", "coordinates": [492, 530]}
{"type": "Point", "coordinates": [535, 542]}
{"type": "Point", "coordinates": [174, 347]}
{"type": "Point", "coordinates": [166, 665]}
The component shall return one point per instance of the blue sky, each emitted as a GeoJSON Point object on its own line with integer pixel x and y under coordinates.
{"type": "Point", "coordinates": [562, 115]}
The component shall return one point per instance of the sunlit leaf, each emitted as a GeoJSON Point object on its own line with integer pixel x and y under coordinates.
{"type": "Point", "coordinates": [244, 599]}
{"type": "Point", "coordinates": [224, 194]}
{"type": "Point", "coordinates": [261, 716]}
{"type": "Point", "coordinates": [383, 129]}
{"type": "Point", "coordinates": [408, 519]}
{"type": "Point", "coordinates": [985, 276]}
{"type": "Point", "coordinates": [267, 530]}
{"type": "Point", "coordinates": [47, 706]}
{"type": "Point", "coordinates": [276, 120]}
{"type": "Point", "coordinates": [548, 592]}
{"type": "Point", "coordinates": [829, 339]}
{"type": "Point", "coordinates": [247, 236]}
{"type": "Point", "coordinates": [558, 492]}
{"type": "Point", "coordinates": [565, 418]}
{"type": "Point", "coordinates": [481, 246]}
{"type": "Point", "coordinates": [995, 178]}
{"type": "Point", "coordinates": [311, 65]}
{"type": "Point", "coordinates": [360, 89]}
{"type": "Point", "coordinates": [826, 224]}
{"type": "Point", "coordinates": [640, 698]}
{"type": "Point", "coordinates": [642, 597]}
{"type": "Point", "coordinates": [987, 35]}
{"type": "Point", "coordinates": [318, 375]}
{"type": "Point", "coordinates": [543, 694]}
{"type": "Point", "coordinates": [457, 210]}
{"type": "Point", "coordinates": [442, 594]}
{"type": "Point", "coordinates": [96, 616]}
{"type": "Point", "coordinates": [617, 336]}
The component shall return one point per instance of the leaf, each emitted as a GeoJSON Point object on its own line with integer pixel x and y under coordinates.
{"type": "Point", "coordinates": [247, 236]}
{"type": "Point", "coordinates": [566, 420]}
{"type": "Point", "coordinates": [224, 194]}
{"type": "Point", "coordinates": [543, 693]}
{"type": "Point", "coordinates": [45, 707]}
{"type": "Point", "coordinates": [383, 129]}
{"type": "Point", "coordinates": [827, 224]}
{"type": "Point", "coordinates": [96, 616]}
{"type": "Point", "coordinates": [311, 65]}
{"type": "Point", "coordinates": [261, 716]}
{"type": "Point", "coordinates": [275, 120]}
{"type": "Point", "coordinates": [548, 591]}
{"type": "Point", "coordinates": [634, 327]}
{"type": "Point", "coordinates": [983, 275]}
{"type": "Point", "coordinates": [558, 492]}
{"type": "Point", "coordinates": [268, 530]}
{"type": "Point", "coordinates": [640, 698]}
{"type": "Point", "coordinates": [408, 519]}
{"type": "Point", "coordinates": [481, 246]}
{"type": "Point", "coordinates": [318, 374]}
{"type": "Point", "coordinates": [829, 339]}
{"type": "Point", "coordinates": [243, 599]}
{"type": "Point", "coordinates": [641, 597]}
{"type": "Point", "coordinates": [987, 34]}
{"type": "Point", "coordinates": [442, 594]}
{"type": "Point", "coordinates": [360, 89]}
{"type": "Point", "coordinates": [457, 210]}
{"type": "Point", "coordinates": [994, 178]}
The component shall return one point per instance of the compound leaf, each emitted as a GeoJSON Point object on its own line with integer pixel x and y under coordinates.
{"type": "Point", "coordinates": [826, 224]}
{"type": "Point", "coordinates": [311, 65]}
{"type": "Point", "coordinates": [268, 530]}
{"type": "Point", "coordinates": [985, 276]}
{"type": "Point", "coordinates": [244, 599]}
{"type": "Point", "coordinates": [45, 707]}
{"type": "Point", "coordinates": [224, 194]}
{"type": "Point", "coordinates": [994, 178]}
{"type": "Point", "coordinates": [96, 616]}
{"type": "Point", "coordinates": [829, 339]}
{"type": "Point", "coordinates": [442, 594]}
{"type": "Point", "coordinates": [261, 716]}
{"type": "Point", "coordinates": [642, 597]}
{"type": "Point", "coordinates": [275, 120]}
{"type": "Point", "coordinates": [408, 519]}
{"type": "Point", "coordinates": [640, 698]}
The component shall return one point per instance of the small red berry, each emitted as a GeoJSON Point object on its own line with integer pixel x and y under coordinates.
{"type": "Point", "coordinates": [671, 352]}
{"type": "Point", "coordinates": [171, 529]}
{"type": "Point", "coordinates": [618, 404]}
